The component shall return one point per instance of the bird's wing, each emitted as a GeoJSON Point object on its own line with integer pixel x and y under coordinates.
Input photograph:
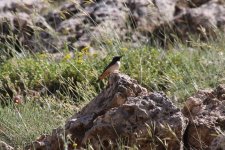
{"type": "Point", "coordinates": [104, 75]}
{"type": "Point", "coordinates": [109, 65]}
{"type": "Point", "coordinates": [105, 72]}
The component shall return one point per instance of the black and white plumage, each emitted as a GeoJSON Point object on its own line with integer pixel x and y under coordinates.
{"type": "Point", "coordinates": [113, 67]}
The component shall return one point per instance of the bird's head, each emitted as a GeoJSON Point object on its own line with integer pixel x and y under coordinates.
{"type": "Point", "coordinates": [116, 58]}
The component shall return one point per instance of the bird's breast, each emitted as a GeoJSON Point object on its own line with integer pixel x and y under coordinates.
{"type": "Point", "coordinates": [115, 67]}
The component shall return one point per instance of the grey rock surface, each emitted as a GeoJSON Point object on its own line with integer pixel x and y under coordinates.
{"type": "Point", "coordinates": [87, 24]}
{"type": "Point", "coordinates": [205, 111]}
{"type": "Point", "coordinates": [126, 111]}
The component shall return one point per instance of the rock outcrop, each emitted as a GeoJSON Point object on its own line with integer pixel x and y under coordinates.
{"type": "Point", "coordinates": [205, 111]}
{"type": "Point", "coordinates": [86, 24]}
{"type": "Point", "coordinates": [123, 113]}
{"type": "Point", "coordinates": [126, 113]}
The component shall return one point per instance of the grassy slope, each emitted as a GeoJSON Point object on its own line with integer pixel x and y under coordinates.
{"type": "Point", "coordinates": [72, 81]}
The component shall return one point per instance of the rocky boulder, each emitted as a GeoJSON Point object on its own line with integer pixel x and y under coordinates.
{"type": "Point", "coordinates": [22, 27]}
{"type": "Point", "coordinates": [20, 32]}
{"type": "Point", "coordinates": [91, 23]}
{"type": "Point", "coordinates": [203, 18]}
{"type": "Point", "coordinates": [143, 21]}
{"type": "Point", "coordinates": [26, 6]}
{"type": "Point", "coordinates": [123, 113]}
{"type": "Point", "coordinates": [205, 111]}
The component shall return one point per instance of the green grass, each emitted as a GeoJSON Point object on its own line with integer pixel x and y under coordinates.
{"type": "Point", "coordinates": [22, 124]}
{"type": "Point", "coordinates": [179, 72]}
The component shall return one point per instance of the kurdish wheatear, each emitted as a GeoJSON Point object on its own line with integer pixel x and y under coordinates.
{"type": "Point", "coordinates": [113, 67]}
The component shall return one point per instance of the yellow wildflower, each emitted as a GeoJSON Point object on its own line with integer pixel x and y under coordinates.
{"type": "Point", "coordinates": [85, 50]}
{"type": "Point", "coordinates": [67, 56]}
{"type": "Point", "coordinates": [124, 49]}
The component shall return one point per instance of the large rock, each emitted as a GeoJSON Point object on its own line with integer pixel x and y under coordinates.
{"type": "Point", "coordinates": [218, 143]}
{"type": "Point", "coordinates": [26, 6]}
{"type": "Point", "coordinates": [123, 112]}
{"type": "Point", "coordinates": [15, 29]}
{"type": "Point", "coordinates": [205, 111]}
{"type": "Point", "coordinates": [202, 21]}
{"type": "Point", "coordinates": [22, 26]}
{"type": "Point", "coordinates": [23, 31]}
{"type": "Point", "coordinates": [138, 21]}
{"type": "Point", "coordinates": [130, 20]}
{"type": "Point", "coordinates": [126, 112]}
{"type": "Point", "coordinates": [86, 24]}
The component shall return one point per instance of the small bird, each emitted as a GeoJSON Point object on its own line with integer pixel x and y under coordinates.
{"type": "Point", "coordinates": [113, 67]}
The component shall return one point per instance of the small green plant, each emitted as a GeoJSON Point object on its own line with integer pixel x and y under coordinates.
{"type": "Point", "coordinates": [21, 124]}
